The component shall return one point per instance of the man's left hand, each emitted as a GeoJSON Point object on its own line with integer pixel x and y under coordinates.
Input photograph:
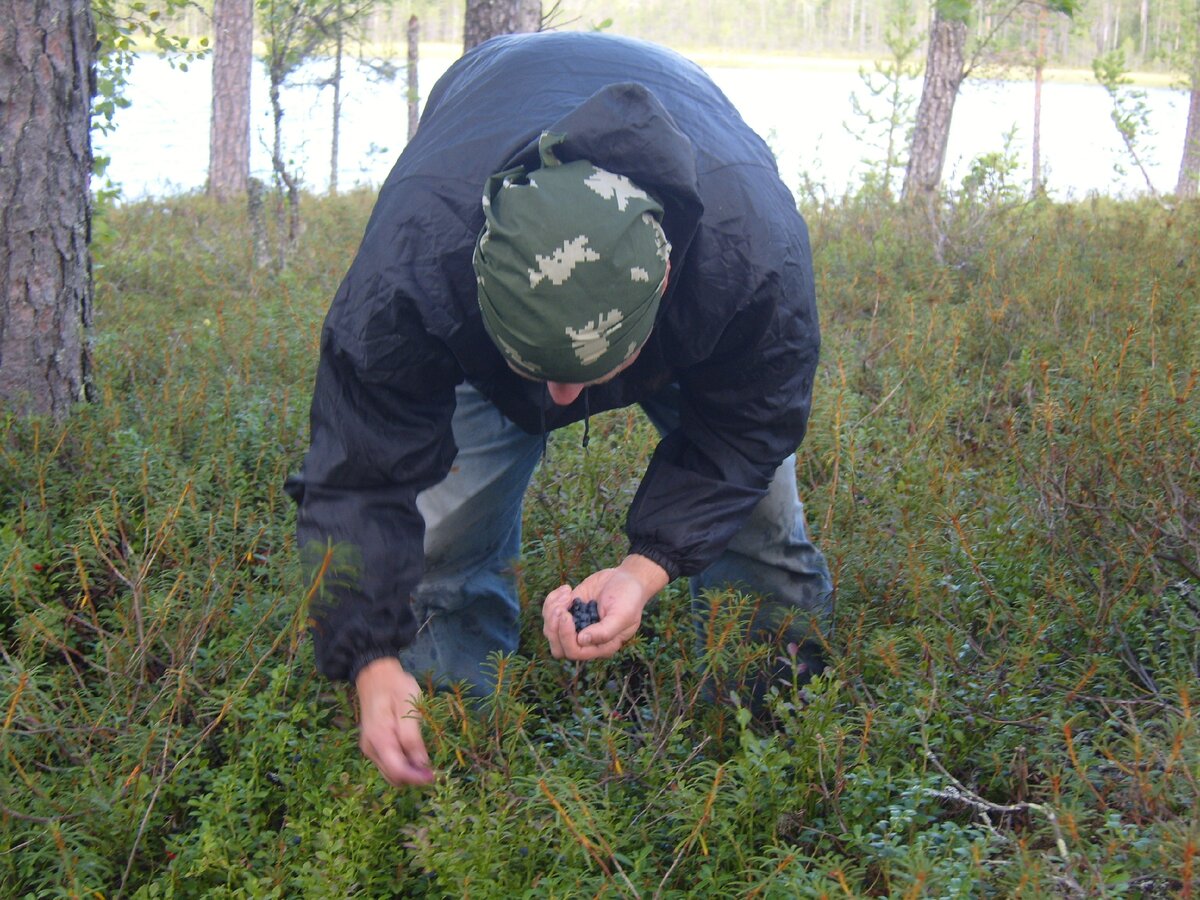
{"type": "Point", "coordinates": [620, 594]}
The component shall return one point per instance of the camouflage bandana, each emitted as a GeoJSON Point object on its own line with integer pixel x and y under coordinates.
{"type": "Point", "coordinates": [571, 265]}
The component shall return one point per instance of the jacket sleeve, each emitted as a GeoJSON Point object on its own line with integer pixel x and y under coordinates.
{"type": "Point", "coordinates": [380, 434]}
{"type": "Point", "coordinates": [743, 409]}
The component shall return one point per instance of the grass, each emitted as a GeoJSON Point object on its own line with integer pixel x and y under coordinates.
{"type": "Point", "coordinates": [1002, 467]}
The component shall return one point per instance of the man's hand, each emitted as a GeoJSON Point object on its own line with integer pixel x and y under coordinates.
{"type": "Point", "coordinates": [390, 726]}
{"type": "Point", "coordinates": [621, 594]}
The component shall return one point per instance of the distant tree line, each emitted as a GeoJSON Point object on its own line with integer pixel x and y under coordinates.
{"type": "Point", "coordinates": [1150, 33]}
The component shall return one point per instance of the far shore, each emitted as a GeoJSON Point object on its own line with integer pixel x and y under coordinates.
{"type": "Point", "coordinates": [716, 57]}
{"type": "Point", "coordinates": [817, 63]}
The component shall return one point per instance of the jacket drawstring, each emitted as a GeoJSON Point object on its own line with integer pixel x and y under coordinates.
{"type": "Point", "coordinates": [587, 415]}
{"type": "Point", "coordinates": [542, 412]}
{"type": "Point", "coordinates": [587, 421]}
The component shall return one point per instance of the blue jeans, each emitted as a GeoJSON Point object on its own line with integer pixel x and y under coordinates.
{"type": "Point", "coordinates": [466, 605]}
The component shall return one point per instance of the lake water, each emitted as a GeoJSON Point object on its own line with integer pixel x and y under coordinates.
{"type": "Point", "coordinates": [160, 144]}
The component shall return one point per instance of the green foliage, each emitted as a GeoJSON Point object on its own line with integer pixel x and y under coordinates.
{"type": "Point", "coordinates": [1130, 113]}
{"type": "Point", "coordinates": [1002, 467]}
{"type": "Point", "coordinates": [889, 132]}
{"type": "Point", "coordinates": [953, 10]}
{"type": "Point", "coordinates": [122, 30]}
{"type": "Point", "coordinates": [294, 32]}
{"type": "Point", "coordinates": [1069, 8]}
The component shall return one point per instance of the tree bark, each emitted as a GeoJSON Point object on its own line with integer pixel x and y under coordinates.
{"type": "Point", "coordinates": [287, 200]}
{"type": "Point", "coordinates": [335, 140]}
{"type": "Point", "coordinates": [943, 75]}
{"type": "Point", "coordinates": [1188, 184]}
{"type": "Point", "coordinates": [488, 18]}
{"type": "Point", "coordinates": [229, 126]}
{"type": "Point", "coordinates": [1039, 74]}
{"type": "Point", "coordinates": [1144, 30]}
{"type": "Point", "coordinates": [46, 87]}
{"type": "Point", "coordinates": [414, 90]}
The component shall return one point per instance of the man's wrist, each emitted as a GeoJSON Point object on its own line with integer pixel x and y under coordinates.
{"type": "Point", "coordinates": [649, 574]}
{"type": "Point", "coordinates": [380, 667]}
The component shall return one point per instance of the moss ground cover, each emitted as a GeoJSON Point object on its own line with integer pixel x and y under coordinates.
{"type": "Point", "coordinates": [1003, 467]}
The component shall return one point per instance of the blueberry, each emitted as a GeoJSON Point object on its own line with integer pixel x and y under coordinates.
{"type": "Point", "coordinates": [584, 614]}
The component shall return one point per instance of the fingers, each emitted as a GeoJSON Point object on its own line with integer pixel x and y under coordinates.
{"type": "Point", "coordinates": [618, 624]}
{"type": "Point", "coordinates": [606, 637]}
{"type": "Point", "coordinates": [621, 600]}
{"type": "Point", "coordinates": [557, 625]}
{"type": "Point", "coordinates": [390, 733]}
{"type": "Point", "coordinates": [610, 632]}
{"type": "Point", "coordinates": [399, 753]}
{"type": "Point", "coordinates": [597, 651]}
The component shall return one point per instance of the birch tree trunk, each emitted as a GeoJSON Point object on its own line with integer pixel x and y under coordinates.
{"type": "Point", "coordinates": [413, 36]}
{"type": "Point", "coordinates": [229, 126]}
{"type": "Point", "coordinates": [1144, 30]}
{"type": "Point", "coordinates": [488, 18]}
{"type": "Point", "coordinates": [336, 81]}
{"type": "Point", "coordinates": [46, 88]}
{"type": "Point", "coordinates": [1039, 73]}
{"type": "Point", "coordinates": [943, 75]}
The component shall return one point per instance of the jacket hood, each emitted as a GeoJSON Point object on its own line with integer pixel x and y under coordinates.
{"type": "Point", "coordinates": [625, 129]}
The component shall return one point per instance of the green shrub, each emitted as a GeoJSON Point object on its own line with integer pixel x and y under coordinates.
{"type": "Point", "coordinates": [1002, 467]}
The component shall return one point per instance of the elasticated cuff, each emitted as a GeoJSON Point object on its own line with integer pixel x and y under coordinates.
{"type": "Point", "coordinates": [365, 658]}
{"type": "Point", "coordinates": [656, 555]}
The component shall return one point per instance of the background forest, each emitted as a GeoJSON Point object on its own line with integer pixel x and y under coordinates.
{"type": "Point", "coordinates": [1151, 33]}
{"type": "Point", "coordinates": [896, 43]}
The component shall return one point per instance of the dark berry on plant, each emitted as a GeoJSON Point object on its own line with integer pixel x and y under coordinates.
{"type": "Point", "coordinates": [584, 613]}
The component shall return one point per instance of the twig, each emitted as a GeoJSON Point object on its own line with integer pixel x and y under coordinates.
{"type": "Point", "coordinates": [170, 768]}
{"type": "Point", "coordinates": [573, 828]}
{"type": "Point", "coordinates": [40, 820]}
{"type": "Point", "coordinates": [878, 406]}
{"type": "Point", "coordinates": [691, 838]}
{"type": "Point", "coordinates": [960, 793]}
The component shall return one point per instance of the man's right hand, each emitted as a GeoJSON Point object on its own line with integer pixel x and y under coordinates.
{"type": "Point", "coordinates": [389, 723]}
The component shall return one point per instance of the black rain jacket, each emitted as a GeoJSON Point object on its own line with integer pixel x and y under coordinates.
{"type": "Point", "coordinates": [736, 330]}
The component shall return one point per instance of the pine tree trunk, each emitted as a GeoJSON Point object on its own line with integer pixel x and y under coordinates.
{"type": "Point", "coordinates": [943, 75]}
{"type": "Point", "coordinates": [46, 86]}
{"type": "Point", "coordinates": [1188, 184]}
{"type": "Point", "coordinates": [488, 18]}
{"type": "Point", "coordinates": [229, 127]}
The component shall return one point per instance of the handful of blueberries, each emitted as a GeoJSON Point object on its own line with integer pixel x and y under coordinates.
{"type": "Point", "coordinates": [584, 614]}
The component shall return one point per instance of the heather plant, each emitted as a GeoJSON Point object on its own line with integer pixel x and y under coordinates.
{"type": "Point", "coordinates": [1003, 467]}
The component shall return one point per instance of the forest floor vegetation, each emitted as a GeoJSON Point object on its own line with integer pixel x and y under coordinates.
{"type": "Point", "coordinates": [1002, 466]}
